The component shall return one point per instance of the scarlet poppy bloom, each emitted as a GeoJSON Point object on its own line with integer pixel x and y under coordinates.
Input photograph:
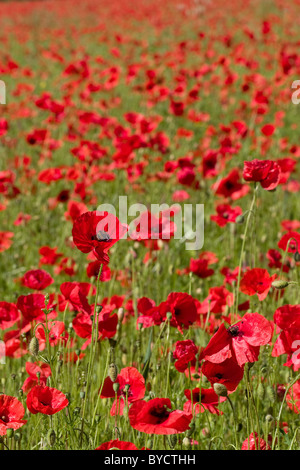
{"type": "Point", "coordinates": [287, 318]}
{"type": "Point", "coordinates": [183, 309]}
{"type": "Point", "coordinates": [156, 417]}
{"type": "Point", "coordinates": [49, 255]}
{"type": "Point", "coordinates": [266, 172]}
{"type": "Point", "coordinates": [217, 301]}
{"type": "Point", "coordinates": [208, 398]}
{"type": "Point", "coordinates": [257, 281]}
{"type": "Point", "coordinates": [32, 368]}
{"type": "Point", "coordinates": [130, 379]}
{"type": "Point", "coordinates": [32, 306]}
{"type": "Point", "coordinates": [291, 239]}
{"type": "Point", "coordinates": [231, 187]}
{"type": "Point", "coordinates": [107, 325]}
{"type": "Point", "coordinates": [37, 279]}
{"type": "Point", "coordinates": [5, 240]}
{"type": "Point", "coordinates": [75, 296]}
{"type": "Point", "coordinates": [149, 313]}
{"type": "Point", "coordinates": [185, 352]}
{"type": "Point", "coordinates": [97, 232]}
{"type": "Point", "coordinates": [57, 334]}
{"type": "Point", "coordinates": [118, 445]}
{"type": "Point", "coordinates": [46, 400]}
{"type": "Point", "coordinates": [252, 443]}
{"type": "Point", "coordinates": [11, 414]}
{"type": "Point", "coordinates": [240, 341]}
{"type": "Point", "coordinates": [226, 214]}
{"type": "Point", "coordinates": [228, 373]}
{"type": "Point", "coordinates": [293, 398]}
{"type": "Point", "coordinates": [9, 314]}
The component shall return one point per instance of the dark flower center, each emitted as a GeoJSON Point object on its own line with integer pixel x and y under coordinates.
{"type": "Point", "coordinates": [160, 412]}
{"type": "Point", "coordinates": [234, 331]}
{"type": "Point", "coordinates": [101, 236]}
{"type": "Point", "coordinates": [4, 419]}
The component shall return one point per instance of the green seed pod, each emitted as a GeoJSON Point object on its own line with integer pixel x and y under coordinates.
{"type": "Point", "coordinates": [113, 372]}
{"type": "Point", "coordinates": [269, 418]}
{"type": "Point", "coordinates": [280, 284]}
{"type": "Point", "coordinates": [169, 316]}
{"type": "Point", "coordinates": [116, 387]}
{"type": "Point", "coordinates": [260, 391]}
{"type": "Point", "coordinates": [220, 390]}
{"type": "Point", "coordinates": [51, 437]}
{"type": "Point", "coordinates": [17, 436]}
{"type": "Point", "coordinates": [34, 346]}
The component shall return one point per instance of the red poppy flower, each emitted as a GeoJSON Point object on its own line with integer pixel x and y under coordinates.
{"type": "Point", "coordinates": [97, 232]}
{"type": "Point", "coordinates": [156, 417]}
{"type": "Point", "coordinates": [185, 352]}
{"type": "Point", "coordinates": [208, 398]}
{"type": "Point", "coordinates": [287, 318]}
{"type": "Point", "coordinates": [5, 240]}
{"type": "Point", "coordinates": [231, 187]}
{"type": "Point", "coordinates": [37, 279]}
{"type": "Point", "coordinates": [57, 334]}
{"type": "Point", "coordinates": [130, 379]}
{"type": "Point", "coordinates": [293, 398]}
{"type": "Point", "coordinates": [9, 315]}
{"type": "Point", "coordinates": [46, 400]}
{"type": "Point", "coordinates": [32, 368]}
{"type": "Point", "coordinates": [107, 325]}
{"type": "Point", "coordinates": [228, 373]}
{"type": "Point", "coordinates": [183, 309]}
{"type": "Point", "coordinates": [11, 414]}
{"type": "Point", "coordinates": [257, 281]}
{"type": "Point", "coordinates": [252, 443]}
{"type": "Point", "coordinates": [266, 172]}
{"type": "Point", "coordinates": [118, 445]}
{"type": "Point", "coordinates": [240, 341]}
{"type": "Point", "coordinates": [217, 301]}
{"type": "Point", "coordinates": [226, 214]}
{"type": "Point", "coordinates": [75, 296]}
{"type": "Point", "coordinates": [293, 238]}
{"type": "Point", "coordinates": [32, 306]}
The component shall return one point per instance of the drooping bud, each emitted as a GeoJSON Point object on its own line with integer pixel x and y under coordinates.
{"type": "Point", "coordinates": [116, 387]}
{"type": "Point", "coordinates": [280, 284]}
{"type": "Point", "coordinates": [220, 390]}
{"type": "Point", "coordinates": [121, 314]}
{"type": "Point", "coordinates": [51, 437]}
{"type": "Point", "coordinates": [240, 219]}
{"type": "Point", "coordinates": [297, 256]}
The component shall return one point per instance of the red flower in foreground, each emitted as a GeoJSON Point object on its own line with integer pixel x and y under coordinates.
{"type": "Point", "coordinates": [292, 239]}
{"type": "Point", "coordinates": [264, 171]}
{"type": "Point", "coordinates": [183, 309]}
{"type": "Point", "coordinates": [228, 373]}
{"type": "Point", "coordinates": [97, 232]}
{"type": "Point", "coordinates": [11, 414]}
{"type": "Point", "coordinates": [240, 341]}
{"type": "Point", "coordinates": [156, 417]}
{"type": "Point", "coordinates": [118, 445]}
{"type": "Point", "coordinates": [46, 400]}
{"type": "Point", "coordinates": [293, 398]}
{"type": "Point", "coordinates": [257, 281]}
{"type": "Point", "coordinates": [225, 214]}
{"type": "Point", "coordinates": [252, 443]}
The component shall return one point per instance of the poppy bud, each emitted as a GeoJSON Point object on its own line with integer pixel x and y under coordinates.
{"type": "Point", "coordinates": [126, 388]}
{"type": "Point", "coordinates": [240, 219]}
{"type": "Point", "coordinates": [269, 418]}
{"type": "Point", "coordinates": [220, 390]}
{"type": "Point", "coordinates": [34, 346]}
{"type": "Point", "coordinates": [280, 284]}
{"type": "Point", "coordinates": [113, 372]}
{"type": "Point", "coordinates": [186, 442]}
{"type": "Point", "coordinates": [99, 309]}
{"type": "Point", "coordinates": [297, 256]}
{"type": "Point", "coordinates": [17, 436]}
{"type": "Point", "coordinates": [271, 393]}
{"type": "Point", "coordinates": [116, 387]}
{"type": "Point", "coordinates": [121, 314]}
{"type": "Point", "coordinates": [51, 437]}
{"type": "Point", "coordinates": [169, 316]}
{"type": "Point", "coordinates": [260, 391]}
{"type": "Point", "coordinates": [82, 395]}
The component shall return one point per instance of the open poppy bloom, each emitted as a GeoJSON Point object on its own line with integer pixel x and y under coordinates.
{"type": "Point", "coordinates": [32, 368]}
{"type": "Point", "coordinates": [266, 172]}
{"type": "Point", "coordinates": [287, 318]}
{"type": "Point", "coordinates": [97, 232]}
{"type": "Point", "coordinates": [240, 341]}
{"type": "Point", "coordinates": [252, 443]}
{"type": "Point", "coordinates": [9, 315]}
{"type": "Point", "coordinates": [293, 398]}
{"type": "Point", "coordinates": [227, 373]}
{"type": "Point", "coordinates": [130, 379]}
{"type": "Point", "coordinates": [107, 325]}
{"type": "Point", "coordinates": [11, 414]}
{"type": "Point", "coordinates": [46, 400]}
{"type": "Point", "coordinates": [156, 417]}
{"type": "Point", "coordinates": [257, 281]}
{"type": "Point", "coordinates": [208, 398]}
{"type": "Point", "coordinates": [183, 309]}
{"type": "Point", "coordinates": [37, 279]}
{"type": "Point", "coordinates": [185, 352]}
{"type": "Point", "coordinates": [117, 445]}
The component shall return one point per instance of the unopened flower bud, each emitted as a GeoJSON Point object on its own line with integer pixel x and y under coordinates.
{"type": "Point", "coordinates": [51, 437]}
{"type": "Point", "coordinates": [220, 390]}
{"type": "Point", "coordinates": [297, 256]}
{"type": "Point", "coordinates": [113, 372]}
{"type": "Point", "coordinates": [116, 387]}
{"type": "Point", "coordinates": [186, 442]}
{"type": "Point", "coordinates": [280, 284]}
{"type": "Point", "coordinates": [240, 219]}
{"type": "Point", "coordinates": [121, 314]}
{"type": "Point", "coordinates": [34, 346]}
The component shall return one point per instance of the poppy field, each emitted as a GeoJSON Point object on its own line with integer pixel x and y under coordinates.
{"type": "Point", "coordinates": [149, 225]}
